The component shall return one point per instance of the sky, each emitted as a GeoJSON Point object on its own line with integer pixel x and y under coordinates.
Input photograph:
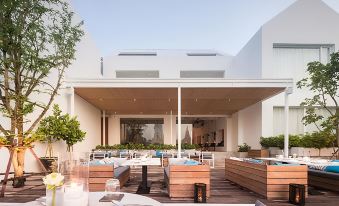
{"type": "Point", "coordinates": [222, 25]}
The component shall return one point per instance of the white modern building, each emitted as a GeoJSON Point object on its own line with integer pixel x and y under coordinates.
{"type": "Point", "coordinates": [213, 97]}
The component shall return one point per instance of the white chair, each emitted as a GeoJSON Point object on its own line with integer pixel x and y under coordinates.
{"type": "Point", "coordinates": [208, 156]}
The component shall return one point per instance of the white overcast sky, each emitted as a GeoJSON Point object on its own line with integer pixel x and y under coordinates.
{"type": "Point", "coordinates": [223, 25]}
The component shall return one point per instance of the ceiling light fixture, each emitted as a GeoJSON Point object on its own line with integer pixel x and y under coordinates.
{"type": "Point", "coordinates": [196, 99]}
{"type": "Point", "coordinates": [134, 100]}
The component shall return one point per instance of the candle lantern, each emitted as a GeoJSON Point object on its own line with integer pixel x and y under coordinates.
{"type": "Point", "coordinates": [200, 193]}
{"type": "Point", "coordinates": [297, 194]}
{"type": "Point", "coordinates": [75, 168]}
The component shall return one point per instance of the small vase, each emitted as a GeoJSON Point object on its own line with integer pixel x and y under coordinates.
{"type": "Point", "coordinates": [55, 197]}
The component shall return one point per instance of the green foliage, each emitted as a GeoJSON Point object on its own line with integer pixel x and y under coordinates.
{"type": "Point", "coordinates": [52, 128]}
{"type": "Point", "coordinates": [73, 134]}
{"type": "Point", "coordinates": [3, 141]}
{"type": "Point", "coordinates": [314, 140]}
{"type": "Point", "coordinates": [318, 140]}
{"type": "Point", "coordinates": [190, 146]}
{"type": "Point", "coordinates": [244, 148]}
{"type": "Point", "coordinates": [37, 38]}
{"type": "Point", "coordinates": [135, 146]}
{"type": "Point", "coordinates": [323, 82]}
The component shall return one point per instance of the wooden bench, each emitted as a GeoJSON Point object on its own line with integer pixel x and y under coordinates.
{"type": "Point", "coordinates": [180, 180]}
{"type": "Point", "coordinates": [270, 181]}
{"type": "Point", "coordinates": [99, 174]}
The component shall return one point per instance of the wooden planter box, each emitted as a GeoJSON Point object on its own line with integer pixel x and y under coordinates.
{"type": "Point", "coordinates": [258, 153]}
{"type": "Point", "coordinates": [180, 180]}
{"type": "Point", "coordinates": [98, 175]}
{"type": "Point", "coordinates": [270, 181]}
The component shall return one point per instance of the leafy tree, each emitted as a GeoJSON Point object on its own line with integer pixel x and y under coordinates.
{"type": "Point", "coordinates": [52, 128]}
{"type": "Point", "coordinates": [72, 133]}
{"type": "Point", "coordinates": [323, 81]}
{"type": "Point", "coordinates": [37, 39]}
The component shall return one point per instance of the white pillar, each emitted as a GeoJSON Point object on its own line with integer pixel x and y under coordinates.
{"type": "Point", "coordinates": [171, 127]}
{"type": "Point", "coordinates": [104, 127]}
{"type": "Point", "coordinates": [288, 91]}
{"type": "Point", "coordinates": [70, 101]}
{"type": "Point", "coordinates": [179, 121]}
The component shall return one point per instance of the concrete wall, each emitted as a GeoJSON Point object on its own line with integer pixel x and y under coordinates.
{"type": "Point", "coordinates": [247, 63]}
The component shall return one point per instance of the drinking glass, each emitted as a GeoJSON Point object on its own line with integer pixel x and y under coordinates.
{"type": "Point", "coordinates": [112, 185]}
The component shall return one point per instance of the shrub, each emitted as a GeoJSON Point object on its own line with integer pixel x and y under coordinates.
{"type": "Point", "coordinates": [244, 148]}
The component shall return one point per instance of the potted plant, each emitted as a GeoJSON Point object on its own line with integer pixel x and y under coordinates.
{"type": "Point", "coordinates": [243, 150]}
{"type": "Point", "coordinates": [72, 133]}
{"type": "Point", "coordinates": [51, 129]}
{"type": "Point", "coordinates": [3, 141]}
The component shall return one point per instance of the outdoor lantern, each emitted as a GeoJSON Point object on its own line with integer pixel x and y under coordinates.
{"type": "Point", "coordinates": [199, 193]}
{"type": "Point", "coordinates": [297, 194]}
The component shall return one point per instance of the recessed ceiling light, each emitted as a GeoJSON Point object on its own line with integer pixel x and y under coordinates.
{"type": "Point", "coordinates": [196, 99]}
{"type": "Point", "coordinates": [134, 100]}
{"type": "Point", "coordinates": [169, 99]}
{"type": "Point", "coordinates": [140, 112]}
{"type": "Point", "coordinates": [101, 99]}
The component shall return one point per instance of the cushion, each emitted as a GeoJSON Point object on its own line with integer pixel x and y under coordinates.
{"type": "Point", "coordinates": [191, 162]}
{"type": "Point", "coordinates": [335, 161]}
{"type": "Point", "coordinates": [158, 153]}
{"type": "Point", "coordinates": [176, 161]}
{"type": "Point", "coordinates": [120, 170]}
{"type": "Point", "coordinates": [332, 168]}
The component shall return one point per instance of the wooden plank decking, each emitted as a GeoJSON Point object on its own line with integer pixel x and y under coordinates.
{"type": "Point", "coordinates": [222, 191]}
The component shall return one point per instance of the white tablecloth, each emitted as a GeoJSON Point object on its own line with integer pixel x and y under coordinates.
{"type": "Point", "coordinates": [142, 162]}
{"type": "Point", "coordinates": [94, 198]}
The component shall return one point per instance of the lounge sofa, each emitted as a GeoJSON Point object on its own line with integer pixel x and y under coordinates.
{"type": "Point", "coordinates": [99, 173]}
{"type": "Point", "coordinates": [180, 178]}
{"type": "Point", "coordinates": [323, 179]}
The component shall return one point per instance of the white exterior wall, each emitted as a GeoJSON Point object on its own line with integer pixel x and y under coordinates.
{"type": "Point", "coordinates": [167, 62]}
{"type": "Point", "coordinates": [247, 63]}
{"type": "Point", "coordinates": [304, 22]}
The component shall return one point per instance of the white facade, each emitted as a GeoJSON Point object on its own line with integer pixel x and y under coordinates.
{"type": "Point", "coordinates": [305, 31]}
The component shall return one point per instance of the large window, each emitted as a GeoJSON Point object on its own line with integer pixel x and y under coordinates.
{"type": "Point", "coordinates": [292, 60]}
{"type": "Point", "coordinates": [143, 131]}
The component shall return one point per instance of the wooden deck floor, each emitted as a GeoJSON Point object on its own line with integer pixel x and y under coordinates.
{"type": "Point", "coordinates": [222, 191]}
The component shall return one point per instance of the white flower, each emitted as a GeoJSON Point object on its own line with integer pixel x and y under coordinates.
{"type": "Point", "coordinates": [53, 180]}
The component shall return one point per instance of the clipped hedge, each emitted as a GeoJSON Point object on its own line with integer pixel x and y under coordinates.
{"type": "Point", "coordinates": [134, 146]}
{"type": "Point", "coordinates": [309, 140]}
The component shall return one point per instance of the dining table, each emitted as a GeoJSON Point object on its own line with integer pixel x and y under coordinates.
{"type": "Point", "coordinates": [128, 199]}
{"type": "Point", "coordinates": [145, 185]}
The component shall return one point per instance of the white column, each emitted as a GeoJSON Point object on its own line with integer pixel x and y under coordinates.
{"type": "Point", "coordinates": [104, 127]}
{"type": "Point", "coordinates": [288, 91]}
{"type": "Point", "coordinates": [70, 101]}
{"type": "Point", "coordinates": [179, 121]}
{"type": "Point", "coordinates": [171, 127]}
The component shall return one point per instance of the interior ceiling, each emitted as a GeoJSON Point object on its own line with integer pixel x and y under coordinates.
{"type": "Point", "coordinates": [195, 101]}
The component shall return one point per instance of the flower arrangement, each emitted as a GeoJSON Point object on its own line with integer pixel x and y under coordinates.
{"type": "Point", "coordinates": [52, 182]}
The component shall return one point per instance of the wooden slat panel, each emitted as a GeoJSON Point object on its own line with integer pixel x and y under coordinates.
{"type": "Point", "coordinates": [101, 168]}
{"type": "Point", "coordinates": [189, 168]}
{"type": "Point", "coordinates": [101, 174]}
{"type": "Point", "coordinates": [248, 174]}
{"type": "Point", "coordinates": [273, 175]}
{"type": "Point", "coordinates": [189, 180]}
{"type": "Point", "coordinates": [281, 168]}
{"type": "Point", "coordinates": [287, 181]}
{"type": "Point", "coordinates": [246, 164]}
{"type": "Point", "coordinates": [257, 172]}
{"type": "Point", "coordinates": [190, 174]}
{"type": "Point", "coordinates": [253, 185]}
{"type": "Point", "coordinates": [99, 180]}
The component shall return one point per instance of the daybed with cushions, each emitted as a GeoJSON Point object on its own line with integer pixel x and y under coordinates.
{"type": "Point", "coordinates": [271, 181]}
{"type": "Point", "coordinates": [181, 174]}
{"type": "Point", "coordinates": [100, 171]}
{"type": "Point", "coordinates": [326, 177]}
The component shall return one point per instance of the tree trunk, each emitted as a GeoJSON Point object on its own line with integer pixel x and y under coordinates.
{"type": "Point", "coordinates": [18, 161]}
